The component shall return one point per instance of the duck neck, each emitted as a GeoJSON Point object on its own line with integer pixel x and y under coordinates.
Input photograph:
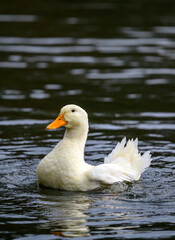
{"type": "Point", "coordinates": [77, 135]}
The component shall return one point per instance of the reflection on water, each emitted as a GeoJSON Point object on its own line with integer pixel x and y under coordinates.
{"type": "Point", "coordinates": [67, 215]}
{"type": "Point", "coordinates": [116, 60]}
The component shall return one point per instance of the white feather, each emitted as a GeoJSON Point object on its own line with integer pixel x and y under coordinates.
{"type": "Point", "coordinates": [126, 156]}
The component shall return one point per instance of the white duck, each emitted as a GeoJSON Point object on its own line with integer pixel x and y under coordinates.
{"type": "Point", "coordinates": [64, 167]}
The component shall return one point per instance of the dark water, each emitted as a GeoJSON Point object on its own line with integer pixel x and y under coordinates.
{"type": "Point", "coordinates": [116, 59]}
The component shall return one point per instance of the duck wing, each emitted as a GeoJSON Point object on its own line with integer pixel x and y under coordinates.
{"type": "Point", "coordinates": [111, 173]}
{"type": "Point", "coordinates": [124, 163]}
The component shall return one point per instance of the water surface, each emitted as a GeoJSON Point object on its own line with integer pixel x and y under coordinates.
{"type": "Point", "coordinates": [116, 60]}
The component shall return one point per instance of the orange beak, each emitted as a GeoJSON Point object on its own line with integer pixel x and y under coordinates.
{"type": "Point", "coordinates": [59, 121]}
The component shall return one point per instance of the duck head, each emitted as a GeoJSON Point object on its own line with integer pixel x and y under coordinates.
{"type": "Point", "coordinates": [71, 116]}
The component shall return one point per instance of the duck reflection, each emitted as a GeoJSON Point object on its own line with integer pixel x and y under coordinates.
{"type": "Point", "coordinates": [71, 214]}
{"type": "Point", "coordinates": [65, 212]}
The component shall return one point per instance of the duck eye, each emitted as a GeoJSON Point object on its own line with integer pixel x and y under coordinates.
{"type": "Point", "coordinates": [73, 110]}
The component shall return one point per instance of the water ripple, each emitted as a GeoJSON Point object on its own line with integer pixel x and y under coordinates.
{"type": "Point", "coordinates": [18, 18]}
{"type": "Point", "coordinates": [23, 122]}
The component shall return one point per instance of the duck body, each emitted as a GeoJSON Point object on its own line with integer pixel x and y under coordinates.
{"type": "Point", "coordinates": [64, 167]}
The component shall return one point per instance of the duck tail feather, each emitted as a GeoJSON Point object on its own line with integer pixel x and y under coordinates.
{"type": "Point", "coordinates": [127, 156]}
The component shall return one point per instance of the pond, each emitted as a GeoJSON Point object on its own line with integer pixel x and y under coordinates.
{"type": "Point", "coordinates": [116, 59]}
